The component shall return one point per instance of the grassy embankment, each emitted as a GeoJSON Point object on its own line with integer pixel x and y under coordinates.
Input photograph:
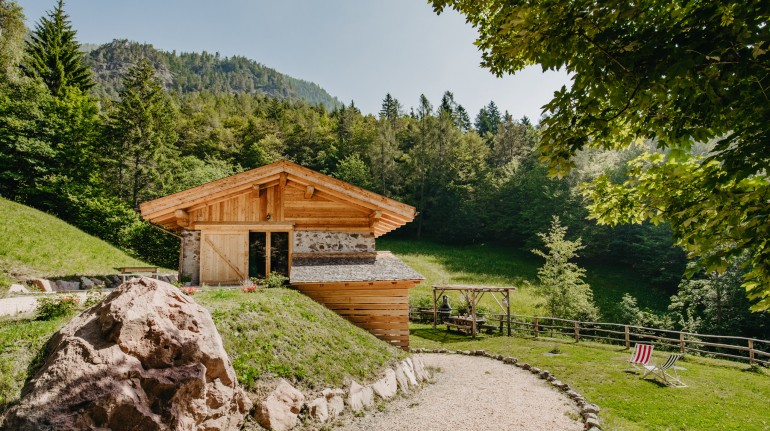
{"type": "Point", "coordinates": [268, 334]}
{"type": "Point", "coordinates": [36, 244]}
{"type": "Point", "coordinates": [721, 395]}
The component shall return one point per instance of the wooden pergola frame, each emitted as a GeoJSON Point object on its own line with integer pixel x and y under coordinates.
{"type": "Point", "coordinates": [473, 295]}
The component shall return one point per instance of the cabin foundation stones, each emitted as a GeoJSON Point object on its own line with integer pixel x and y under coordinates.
{"type": "Point", "coordinates": [190, 256]}
{"type": "Point", "coordinates": [286, 407]}
{"type": "Point", "coordinates": [588, 412]}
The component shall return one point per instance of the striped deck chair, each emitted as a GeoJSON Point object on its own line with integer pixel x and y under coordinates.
{"type": "Point", "coordinates": [666, 371]}
{"type": "Point", "coordinates": [641, 356]}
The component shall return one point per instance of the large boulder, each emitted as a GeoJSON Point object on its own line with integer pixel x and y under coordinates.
{"type": "Point", "coordinates": [145, 358]}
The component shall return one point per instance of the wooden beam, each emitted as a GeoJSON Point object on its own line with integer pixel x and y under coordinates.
{"type": "Point", "coordinates": [309, 190]}
{"type": "Point", "coordinates": [182, 217]}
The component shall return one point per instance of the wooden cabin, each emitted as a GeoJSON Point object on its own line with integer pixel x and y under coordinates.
{"type": "Point", "coordinates": [315, 229]}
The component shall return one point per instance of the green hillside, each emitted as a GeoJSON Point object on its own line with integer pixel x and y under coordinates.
{"type": "Point", "coordinates": [33, 243]}
{"type": "Point", "coordinates": [189, 72]}
{"type": "Point", "coordinates": [508, 266]}
{"type": "Point", "coordinates": [268, 334]}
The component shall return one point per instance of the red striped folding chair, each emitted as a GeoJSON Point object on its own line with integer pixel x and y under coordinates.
{"type": "Point", "coordinates": [641, 356]}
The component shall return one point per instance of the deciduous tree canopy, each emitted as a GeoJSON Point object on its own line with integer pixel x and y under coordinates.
{"type": "Point", "coordinates": [672, 72]}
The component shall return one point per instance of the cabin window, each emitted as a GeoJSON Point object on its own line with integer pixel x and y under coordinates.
{"type": "Point", "coordinates": [268, 252]}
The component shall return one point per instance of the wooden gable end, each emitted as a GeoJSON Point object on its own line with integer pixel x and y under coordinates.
{"type": "Point", "coordinates": [282, 193]}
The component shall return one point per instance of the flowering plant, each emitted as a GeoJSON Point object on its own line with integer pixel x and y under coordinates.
{"type": "Point", "coordinates": [189, 290]}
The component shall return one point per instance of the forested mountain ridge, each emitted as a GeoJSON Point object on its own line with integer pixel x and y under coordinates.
{"type": "Point", "coordinates": [195, 72]}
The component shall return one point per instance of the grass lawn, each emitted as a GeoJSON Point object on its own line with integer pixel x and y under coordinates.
{"type": "Point", "coordinates": [721, 395]}
{"type": "Point", "coordinates": [502, 266]}
{"type": "Point", "coordinates": [33, 243]}
{"type": "Point", "coordinates": [20, 343]}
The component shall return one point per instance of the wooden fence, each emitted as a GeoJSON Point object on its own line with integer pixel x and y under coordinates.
{"type": "Point", "coordinates": [746, 349]}
{"type": "Point", "coordinates": [752, 350]}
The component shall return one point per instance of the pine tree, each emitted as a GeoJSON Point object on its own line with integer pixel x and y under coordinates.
{"type": "Point", "coordinates": [391, 110]}
{"type": "Point", "coordinates": [463, 119]}
{"type": "Point", "coordinates": [53, 54]}
{"type": "Point", "coordinates": [142, 132]}
{"type": "Point", "coordinates": [562, 282]}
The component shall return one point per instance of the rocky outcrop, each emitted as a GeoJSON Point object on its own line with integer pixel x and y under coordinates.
{"type": "Point", "coordinates": [279, 411]}
{"type": "Point", "coordinates": [146, 358]}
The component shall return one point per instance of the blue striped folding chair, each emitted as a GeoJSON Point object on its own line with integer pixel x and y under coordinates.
{"type": "Point", "coordinates": [666, 371]}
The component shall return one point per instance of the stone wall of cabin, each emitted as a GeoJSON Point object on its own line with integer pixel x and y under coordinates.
{"type": "Point", "coordinates": [312, 241]}
{"type": "Point", "coordinates": [190, 258]}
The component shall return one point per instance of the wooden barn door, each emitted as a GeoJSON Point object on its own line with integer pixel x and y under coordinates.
{"type": "Point", "coordinates": [224, 257]}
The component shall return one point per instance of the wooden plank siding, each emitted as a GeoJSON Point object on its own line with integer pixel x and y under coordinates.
{"type": "Point", "coordinates": [380, 307]}
{"type": "Point", "coordinates": [313, 213]}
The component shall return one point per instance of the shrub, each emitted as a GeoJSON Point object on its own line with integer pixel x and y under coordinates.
{"type": "Point", "coordinates": [51, 307]}
{"type": "Point", "coordinates": [93, 297]}
{"type": "Point", "coordinates": [274, 280]}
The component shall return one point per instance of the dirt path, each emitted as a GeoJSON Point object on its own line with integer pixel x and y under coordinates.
{"type": "Point", "coordinates": [475, 393]}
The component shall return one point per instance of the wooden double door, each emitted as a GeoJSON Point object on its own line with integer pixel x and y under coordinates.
{"type": "Point", "coordinates": [232, 257]}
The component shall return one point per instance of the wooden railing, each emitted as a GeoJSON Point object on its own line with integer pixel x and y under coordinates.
{"type": "Point", "coordinates": [745, 349]}
{"type": "Point", "coordinates": [752, 350]}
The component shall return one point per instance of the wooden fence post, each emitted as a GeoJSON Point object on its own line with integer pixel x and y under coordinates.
{"type": "Point", "coordinates": [577, 332]}
{"type": "Point", "coordinates": [751, 351]}
{"type": "Point", "coordinates": [536, 329]}
{"type": "Point", "coordinates": [628, 337]}
{"type": "Point", "coordinates": [681, 342]}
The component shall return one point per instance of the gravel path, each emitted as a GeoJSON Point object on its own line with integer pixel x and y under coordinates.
{"type": "Point", "coordinates": [475, 393]}
{"type": "Point", "coordinates": [25, 304]}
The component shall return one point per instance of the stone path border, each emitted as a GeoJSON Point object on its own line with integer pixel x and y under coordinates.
{"type": "Point", "coordinates": [588, 411]}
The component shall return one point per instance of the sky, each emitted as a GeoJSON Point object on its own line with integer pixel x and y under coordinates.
{"type": "Point", "coordinates": [357, 50]}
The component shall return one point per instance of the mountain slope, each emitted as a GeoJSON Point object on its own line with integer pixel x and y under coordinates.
{"type": "Point", "coordinates": [194, 72]}
{"type": "Point", "coordinates": [33, 243]}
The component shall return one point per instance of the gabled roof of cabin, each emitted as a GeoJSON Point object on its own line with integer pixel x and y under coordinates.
{"type": "Point", "coordinates": [386, 214]}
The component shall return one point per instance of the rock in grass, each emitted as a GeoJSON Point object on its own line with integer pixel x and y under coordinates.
{"type": "Point", "coordinates": [147, 357]}
{"type": "Point", "coordinates": [359, 396]}
{"type": "Point", "coordinates": [43, 284]}
{"type": "Point", "coordinates": [335, 401]}
{"type": "Point", "coordinates": [406, 365]}
{"type": "Point", "coordinates": [387, 386]}
{"type": "Point", "coordinates": [318, 409]}
{"type": "Point", "coordinates": [279, 411]}
{"type": "Point", "coordinates": [18, 288]}
{"type": "Point", "coordinates": [403, 381]}
{"type": "Point", "coordinates": [419, 370]}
